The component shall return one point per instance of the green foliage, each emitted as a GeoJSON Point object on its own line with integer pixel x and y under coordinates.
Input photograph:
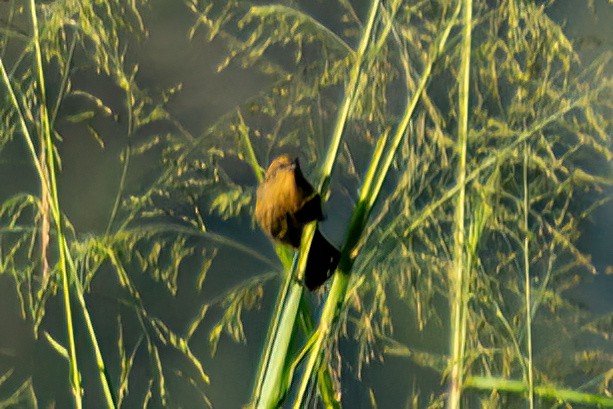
{"type": "Point", "coordinates": [527, 88]}
{"type": "Point", "coordinates": [379, 100]}
{"type": "Point", "coordinates": [39, 247]}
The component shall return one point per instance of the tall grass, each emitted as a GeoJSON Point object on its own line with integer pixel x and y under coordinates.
{"type": "Point", "coordinates": [469, 136]}
{"type": "Point", "coordinates": [466, 185]}
{"type": "Point", "coordinates": [68, 260]}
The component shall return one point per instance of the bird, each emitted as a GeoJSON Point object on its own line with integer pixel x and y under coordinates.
{"type": "Point", "coordinates": [285, 203]}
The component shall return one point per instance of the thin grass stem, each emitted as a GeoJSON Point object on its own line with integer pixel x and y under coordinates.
{"type": "Point", "coordinates": [527, 284]}
{"type": "Point", "coordinates": [460, 278]}
{"type": "Point", "coordinates": [49, 182]}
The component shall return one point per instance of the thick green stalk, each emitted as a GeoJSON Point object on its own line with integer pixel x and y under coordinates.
{"type": "Point", "coordinates": [460, 278]}
{"type": "Point", "coordinates": [271, 389]}
{"type": "Point", "coordinates": [546, 392]}
{"type": "Point", "coordinates": [339, 286]}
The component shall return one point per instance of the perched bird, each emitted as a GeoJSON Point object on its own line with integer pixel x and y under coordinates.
{"type": "Point", "coordinates": [285, 202]}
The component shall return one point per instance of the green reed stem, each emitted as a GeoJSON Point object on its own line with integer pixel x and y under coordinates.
{"type": "Point", "coordinates": [543, 391]}
{"type": "Point", "coordinates": [460, 278]}
{"type": "Point", "coordinates": [527, 284]}
{"type": "Point", "coordinates": [268, 390]}
{"type": "Point", "coordinates": [351, 91]}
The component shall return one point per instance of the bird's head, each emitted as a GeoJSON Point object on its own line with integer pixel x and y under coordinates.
{"type": "Point", "coordinates": [282, 163]}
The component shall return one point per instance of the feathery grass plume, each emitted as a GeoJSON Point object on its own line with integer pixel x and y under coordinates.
{"type": "Point", "coordinates": [43, 252]}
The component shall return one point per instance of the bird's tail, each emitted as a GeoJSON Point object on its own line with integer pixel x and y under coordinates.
{"type": "Point", "coordinates": [322, 262]}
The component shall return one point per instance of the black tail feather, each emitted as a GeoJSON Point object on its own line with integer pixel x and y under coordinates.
{"type": "Point", "coordinates": [322, 262]}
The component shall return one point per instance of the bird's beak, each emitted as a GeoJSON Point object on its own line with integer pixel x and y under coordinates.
{"type": "Point", "coordinates": [295, 164]}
